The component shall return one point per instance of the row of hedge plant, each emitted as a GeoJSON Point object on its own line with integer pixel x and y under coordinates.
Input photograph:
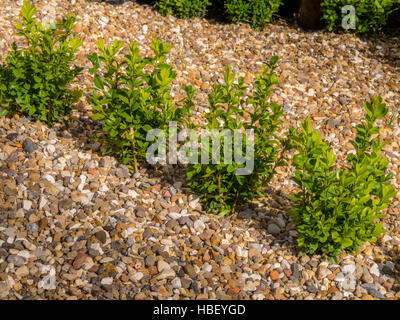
{"type": "Point", "coordinates": [256, 13]}
{"type": "Point", "coordinates": [370, 16]}
{"type": "Point", "coordinates": [335, 210]}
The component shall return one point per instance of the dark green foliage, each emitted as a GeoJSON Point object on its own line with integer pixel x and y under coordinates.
{"type": "Point", "coordinates": [35, 80]}
{"type": "Point", "coordinates": [219, 185]}
{"type": "Point", "coordinates": [4, 79]}
{"type": "Point", "coordinates": [254, 12]}
{"type": "Point", "coordinates": [337, 210]}
{"type": "Point", "coordinates": [371, 15]}
{"type": "Point", "coordinates": [183, 8]}
{"type": "Point", "coordinates": [131, 97]}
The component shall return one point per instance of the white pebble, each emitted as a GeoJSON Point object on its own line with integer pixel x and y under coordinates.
{"type": "Point", "coordinates": [374, 270]}
{"type": "Point", "coordinates": [107, 280]}
{"type": "Point", "coordinates": [174, 215]}
{"type": "Point", "coordinates": [349, 268]}
{"type": "Point", "coordinates": [176, 283]}
{"type": "Point", "coordinates": [49, 178]}
{"type": "Point", "coordinates": [138, 276]}
{"type": "Point", "coordinates": [51, 149]}
{"type": "Point", "coordinates": [199, 225]}
{"type": "Point", "coordinates": [27, 204]}
{"type": "Point", "coordinates": [207, 267]}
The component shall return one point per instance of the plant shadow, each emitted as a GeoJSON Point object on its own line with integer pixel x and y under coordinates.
{"type": "Point", "coordinates": [390, 52]}
{"type": "Point", "coordinates": [82, 129]}
{"type": "Point", "coordinates": [275, 208]}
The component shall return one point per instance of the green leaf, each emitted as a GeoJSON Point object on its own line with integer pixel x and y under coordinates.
{"type": "Point", "coordinates": [98, 116]}
{"type": "Point", "coordinates": [3, 112]}
{"type": "Point", "coordinates": [28, 10]}
{"type": "Point", "coordinates": [347, 242]}
{"type": "Point", "coordinates": [98, 82]}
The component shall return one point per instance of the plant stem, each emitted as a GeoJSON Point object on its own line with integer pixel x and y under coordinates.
{"type": "Point", "coordinates": [235, 202]}
{"type": "Point", "coordinates": [219, 183]}
{"type": "Point", "coordinates": [49, 113]}
{"type": "Point", "coordinates": [135, 165]}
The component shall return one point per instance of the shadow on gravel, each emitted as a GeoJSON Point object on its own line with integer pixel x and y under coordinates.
{"type": "Point", "coordinates": [83, 129]}
{"type": "Point", "coordinates": [119, 2]}
{"type": "Point", "coordinates": [215, 13]}
{"type": "Point", "coordinates": [384, 46]}
{"type": "Point", "coordinates": [391, 50]}
{"type": "Point", "coordinates": [272, 208]}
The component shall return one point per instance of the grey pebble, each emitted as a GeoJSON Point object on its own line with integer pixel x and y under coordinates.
{"type": "Point", "coordinates": [29, 145]}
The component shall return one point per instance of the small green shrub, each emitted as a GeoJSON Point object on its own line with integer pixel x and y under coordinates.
{"type": "Point", "coordinates": [183, 8]}
{"type": "Point", "coordinates": [220, 186]}
{"type": "Point", "coordinates": [4, 79]}
{"type": "Point", "coordinates": [131, 98]}
{"type": "Point", "coordinates": [337, 210]}
{"type": "Point", "coordinates": [255, 12]}
{"type": "Point", "coordinates": [35, 80]}
{"type": "Point", "coordinates": [370, 16]}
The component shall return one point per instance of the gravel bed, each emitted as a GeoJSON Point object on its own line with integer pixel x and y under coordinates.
{"type": "Point", "coordinates": [75, 224]}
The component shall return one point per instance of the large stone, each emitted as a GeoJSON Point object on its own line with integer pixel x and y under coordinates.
{"type": "Point", "coordinates": [140, 212]}
{"type": "Point", "coordinates": [167, 273]}
{"type": "Point", "coordinates": [79, 260]}
{"type": "Point", "coordinates": [199, 225]}
{"type": "Point", "coordinates": [4, 289]}
{"type": "Point", "coordinates": [22, 271]}
{"type": "Point", "coordinates": [189, 270]}
{"type": "Point", "coordinates": [29, 145]}
{"type": "Point", "coordinates": [274, 275]}
{"type": "Point", "coordinates": [273, 229]}
{"type": "Point", "coordinates": [16, 260]}
{"type": "Point", "coordinates": [101, 236]}
{"type": "Point", "coordinates": [162, 265]}
{"type": "Point", "coordinates": [150, 260]}
{"type": "Point", "coordinates": [65, 204]}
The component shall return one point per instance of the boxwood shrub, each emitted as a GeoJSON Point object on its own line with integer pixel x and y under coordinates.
{"type": "Point", "coordinates": [183, 8]}
{"type": "Point", "coordinates": [256, 13]}
{"type": "Point", "coordinates": [370, 16]}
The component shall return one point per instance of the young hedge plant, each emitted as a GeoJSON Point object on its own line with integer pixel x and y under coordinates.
{"type": "Point", "coordinates": [36, 79]}
{"type": "Point", "coordinates": [131, 97]}
{"type": "Point", "coordinates": [255, 13]}
{"type": "Point", "coordinates": [337, 210]}
{"type": "Point", "coordinates": [224, 186]}
{"type": "Point", "coordinates": [370, 15]}
{"type": "Point", "coordinates": [183, 8]}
